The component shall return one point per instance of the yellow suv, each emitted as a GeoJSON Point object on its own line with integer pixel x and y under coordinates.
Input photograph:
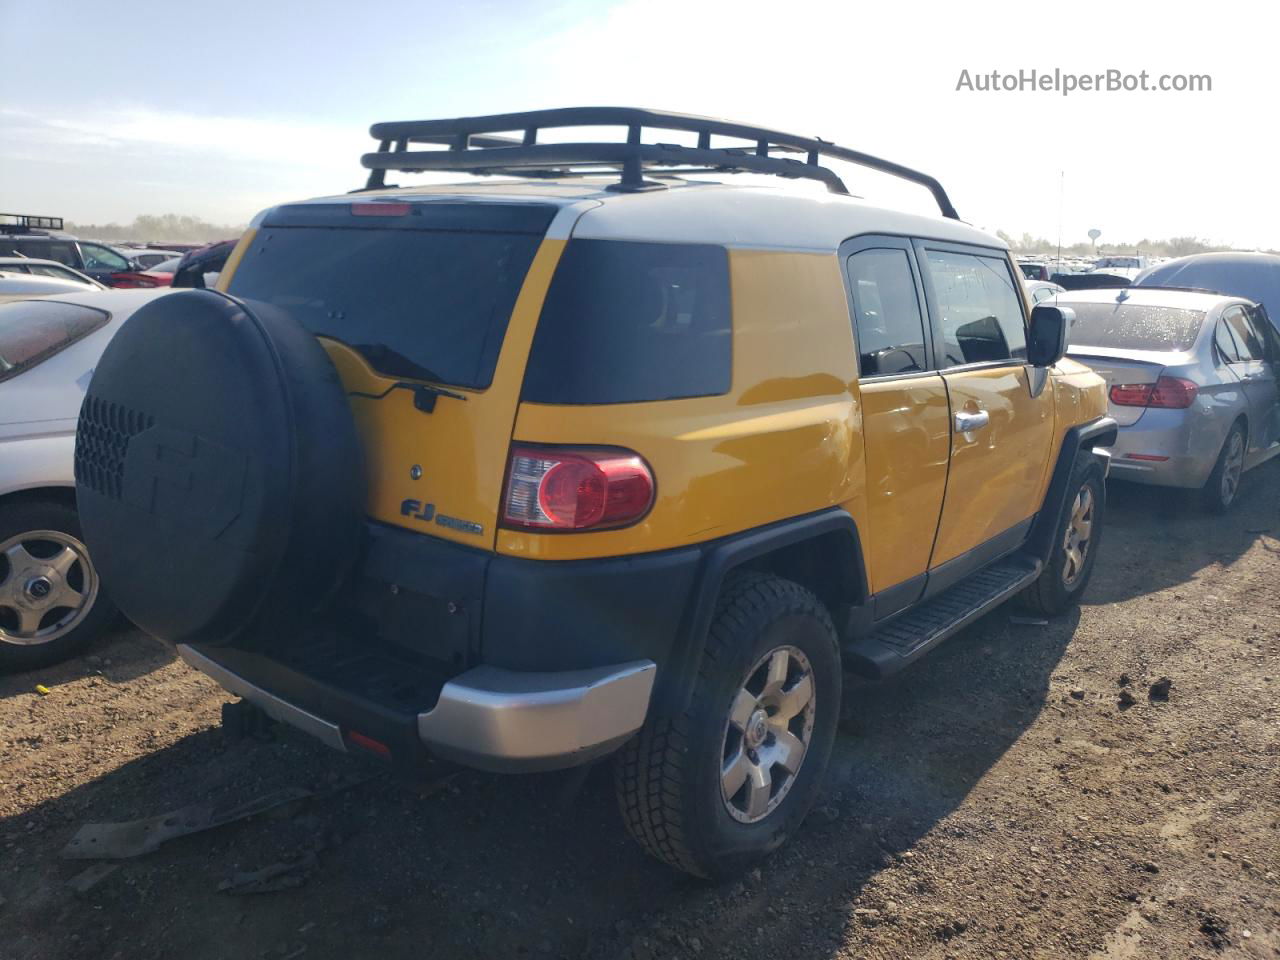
{"type": "Point", "coordinates": [598, 458]}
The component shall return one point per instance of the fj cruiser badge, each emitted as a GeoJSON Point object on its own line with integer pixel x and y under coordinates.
{"type": "Point", "coordinates": [417, 510]}
{"type": "Point", "coordinates": [426, 512]}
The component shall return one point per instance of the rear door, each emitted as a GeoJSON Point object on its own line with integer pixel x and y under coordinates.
{"type": "Point", "coordinates": [427, 310]}
{"type": "Point", "coordinates": [906, 417]}
{"type": "Point", "coordinates": [1001, 429]}
{"type": "Point", "coordinates": [1252, 364]}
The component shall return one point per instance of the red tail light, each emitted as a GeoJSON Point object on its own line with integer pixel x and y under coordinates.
{"type": "Point", "coordinates": [1171, 393]}
{"type": "Point", "coordinates": [575, 488]}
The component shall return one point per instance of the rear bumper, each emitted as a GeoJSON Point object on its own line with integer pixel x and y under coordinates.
{"type": "Point", "coordinates": [487, 717]}
{"type": "Point", "coordinates": [1189, 440]}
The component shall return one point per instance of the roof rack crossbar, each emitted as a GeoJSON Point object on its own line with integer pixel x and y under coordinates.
{"type": "Point", "coordinates": [25, 222]}
{"type": "Point", "coordinates": [475, 145]}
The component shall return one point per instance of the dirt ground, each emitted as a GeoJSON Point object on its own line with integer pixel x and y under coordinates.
{"type": "Point", "coordinates": [995, 800]}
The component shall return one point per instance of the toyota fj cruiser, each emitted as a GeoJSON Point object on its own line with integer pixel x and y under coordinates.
{"type": "Point", "coordinates": [601, 459]}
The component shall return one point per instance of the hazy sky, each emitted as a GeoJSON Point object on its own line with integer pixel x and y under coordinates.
{"type": "Point", "coordinates": [222, 109]}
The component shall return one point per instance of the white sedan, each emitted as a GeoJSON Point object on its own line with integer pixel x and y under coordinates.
{"type": "Point", "coordinates": [22, 277]}
{"type": "Point", "coordinates": [51, 602]}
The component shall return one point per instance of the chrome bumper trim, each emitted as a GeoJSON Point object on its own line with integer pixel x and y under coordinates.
{"type": "Point", "coordinates": [503, 719]}
{"type": "Point", "coordinates": [269, 703]}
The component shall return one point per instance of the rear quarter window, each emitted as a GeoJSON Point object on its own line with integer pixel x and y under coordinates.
{"type": "Point", "coordinates": [628, 322]}
{"type": "Point", "coordinates": [32, 331]}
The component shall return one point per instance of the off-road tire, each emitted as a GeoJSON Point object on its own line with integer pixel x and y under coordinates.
{"type": "Point", "coordinates": [668, 777]}
{"type": "Point", "coordinates": [1211, 494]}
{"type": "Point", "coordinates": [50, 515]}
{"type": "Point", "coordinates": [1049, 596]}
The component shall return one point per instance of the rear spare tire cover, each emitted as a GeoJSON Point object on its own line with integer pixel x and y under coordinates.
{"type": "Point", "coordinates": [218, 470]}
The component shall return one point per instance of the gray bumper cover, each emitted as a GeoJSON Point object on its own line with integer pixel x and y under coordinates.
{"type": "Point", "coordinates": [496, 719]}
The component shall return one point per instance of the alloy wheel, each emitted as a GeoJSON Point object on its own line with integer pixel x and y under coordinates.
{"type": "Point", "coordinates": [1076, 541]}
{"type": "Point", "coordinates": [1232, 467]}
{"type": "Point", "coordinates": [767, 734]}
{"type": "Point", "coordinates": [47, 586]}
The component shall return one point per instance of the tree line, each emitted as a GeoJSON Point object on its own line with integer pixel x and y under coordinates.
{"type": "Point", "coordinates": [165, 228]}
{"type": "Point", "coordinates": [1172, 247]}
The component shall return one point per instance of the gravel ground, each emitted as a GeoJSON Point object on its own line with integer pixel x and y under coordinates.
{"type": "Point", "coordinates": [999, 799]}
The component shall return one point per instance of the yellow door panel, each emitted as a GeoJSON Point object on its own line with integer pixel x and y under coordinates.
{"type": "Point", "coordinates": [906, 427]}
{"type": "Point", "coordinates": [997, 469]}
{"type": "Point", "coordinates": [784, 441]}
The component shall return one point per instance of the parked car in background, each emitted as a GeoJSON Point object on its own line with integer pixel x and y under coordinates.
{"type": "Point", "coordinates": [1255, 276]}
{"type": "Point", "coordinates": [1089, 281]}
{"type": "Point", "coordinates": [51, 600]}
{"type": "Point", "coordinates": [21, 277]}
{"type": "Point", "coordinates": [201, 268]}
{"type": "Point", "coordinates": [41, 238]}
{"type": "Point", "coordinates": [1192, 383]}
{"type": "Point", "coordinates": [1033, 270]}
{"type": "Point", "coordinates": [1041, 290]}
{"type": "Point", "coordinates": [1127, 267]}
{"type": "Point", "coordinates": [147, 259]}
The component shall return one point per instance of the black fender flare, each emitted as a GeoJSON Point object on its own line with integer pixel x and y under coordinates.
{"type": "Point", "coordinates": [720, 559]}
{"type": "Point", "coordinates": [1100, 432]}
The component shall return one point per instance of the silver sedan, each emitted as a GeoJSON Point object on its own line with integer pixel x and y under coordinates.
{"type": "Point", "coordinates": [1192, 381]}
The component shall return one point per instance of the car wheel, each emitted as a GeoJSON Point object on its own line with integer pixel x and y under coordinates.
{"type": "Point", "coordinates": [1075, 542]}
{"type": "Point", "coordinates": [1222, 487]}
{"type": "Point", "coordinates": [51, 599]}
{"type": "Point", "coordinates": [717, 787]}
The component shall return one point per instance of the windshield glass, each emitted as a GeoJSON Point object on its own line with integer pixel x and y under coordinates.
{"type": "Point", "coordinates": [1124, 326]}
{"type": "Point", "coordinates": [423, 304]}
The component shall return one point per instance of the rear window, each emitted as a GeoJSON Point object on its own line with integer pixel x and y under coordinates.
{"type": "Point", "coordinates": [32, 331]}
{"type": "Point", "coordinates": [64, 251]}
{"type": "Point", "coordinates": [421, 304]}
{"type": "Point", "coordinates": [628, 322]}
{"type": "Point", "coordinates": [1123, 326]}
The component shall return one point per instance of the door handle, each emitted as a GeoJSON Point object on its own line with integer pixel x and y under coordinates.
{"type": "Point", "coordinates": [968, 422]}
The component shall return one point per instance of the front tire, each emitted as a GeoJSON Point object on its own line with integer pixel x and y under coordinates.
{"type": "Point", "coordinates": [724, 783]}
{"type": "Point", "coordinates": [1222, 487]}
{"type": "Point", "coordinates": [1075, 542]}
{"type": "Point", "coordinates": [51, 600]}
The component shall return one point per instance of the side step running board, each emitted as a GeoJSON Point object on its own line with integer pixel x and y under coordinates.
{"type": "Point", "coordinates": [914, 633]}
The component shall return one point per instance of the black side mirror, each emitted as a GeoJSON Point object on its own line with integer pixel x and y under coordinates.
{"type": "Point", "coordinates": [1048, 342]}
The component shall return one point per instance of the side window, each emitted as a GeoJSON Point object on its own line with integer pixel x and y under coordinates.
{"type": "Point", "coordinates": [886, 312]}
{"type": "Point", "coordinates": [979, 308]}
{"type": "Point", "coordinates": [49, 270]}
{"type": "Point", "coordinates": [1246, 337]}
{"type": "Point", "coordinates": [1042, 293]}
{"type": "Point", "coordinates": [98, 257]}
{"type": "Point", "coordinates": [632, 322]}
{"type": "Point", "coordinates": [1226, 343]}
{"type": "Point", "coordinates": [59, 250]}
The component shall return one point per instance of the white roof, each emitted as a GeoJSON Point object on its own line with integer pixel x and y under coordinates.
{"type": "Point", "coordinates": [731, 214]}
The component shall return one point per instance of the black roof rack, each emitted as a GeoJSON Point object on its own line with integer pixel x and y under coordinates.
{"type": "Point", "coordinates": [26, 223]}
{"type": "Point", "coordinates": [472, 147]}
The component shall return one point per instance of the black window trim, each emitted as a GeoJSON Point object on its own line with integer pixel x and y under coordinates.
{"type": "Point", "coordinates": [935, 314]}
{"type": "Point", "coordinates": [53, 351]}
{"type": "Point", "coordinates": [1259, 335]}
{"type": "Point", "coordinates": [887, 241]}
